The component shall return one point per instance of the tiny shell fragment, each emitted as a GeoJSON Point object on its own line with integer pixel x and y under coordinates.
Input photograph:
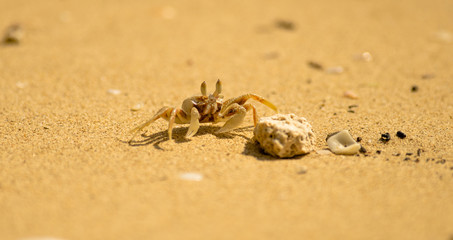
{"type": "Point", "coordinates": [343, 143]}
{"type": "Point", "coordinates": [137, 107]}
{"type": "Point", "coordinates": [114, 91]}
{"type": "Point", "coordinates": [191, 176]}
{"type": "Point", "coordinates": [335, 70]}
{"type": "Point", "coordinates": [285, 135]}
{"type": "Point", "coordinates": [350, 94]}
{"type": "Point", "coordinates": [365, 56]}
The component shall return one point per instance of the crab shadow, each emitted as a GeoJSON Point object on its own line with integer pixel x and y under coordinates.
{"type": "Point", "coordinates": [179, 136]}
{"type": "Point", "coordinates": [253, 149]}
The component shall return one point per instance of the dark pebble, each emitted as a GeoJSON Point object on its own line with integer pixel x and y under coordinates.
{"type": "Point", "coordinates": [407, 159]}
{"type": "Point", "coordinates": [419, 152]}
{"type": "Point", "coordinates": [385, 137]}
{"type": "Point", "coordinates": [417, 160]}
{"type": "Point", "coordinates": [359, 139]}
{"type": "Point", "coordinates": [409, 154]}
{"type": "Point", "coordinates": [315, 65]}
{"type": "Point", "coordinates": [414, 88]}
{"type": "Point", "coordinates": [396, 154]}
{"type": "Point", "coordinates": [362, 149]}
{"type": "Point", "coordinates": [378, 151]}
{"type": "Point", "coordinates": [286, 25]}
{"type": "Point", "coordinates": [400, 134]}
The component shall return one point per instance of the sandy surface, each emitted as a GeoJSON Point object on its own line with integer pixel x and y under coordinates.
{"type": "Point", "coordinates": [66, 171]}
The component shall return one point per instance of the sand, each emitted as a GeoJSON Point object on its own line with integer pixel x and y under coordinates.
{"type": "Point", "coordinates": [67, 171]}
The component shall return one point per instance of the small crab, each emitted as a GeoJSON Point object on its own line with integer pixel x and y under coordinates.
{"type": "Point", "coordinates": [208, 108]}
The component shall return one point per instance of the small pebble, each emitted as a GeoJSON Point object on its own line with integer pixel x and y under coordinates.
{"type": "Point", "coordinates": [407, 159]}
{"type": "Point", "coordinates": [400, 134]}
{"type": "Point", "coordinates": [378, 151]}
{"type": "Point", "coordinates": [114, 91]}
{"type": "Point", "coordinates": [335, 70]}
{"type": "Point", "coordinates": [409, 154]}
{"type": "Point", "coordinates": [13, 35]}
{"type": "Point", "coordinates": [350, 95]}
{"type": "Point", "coordinates": [285, 25]}
{"type": "Point", "coordinates": [315, 65]}
{"type": "Point", "coordinates": [191, 176]}
{"type": "Point", "coordinates": [385, 137]}
{"type": "Point", "coordinates": [365, 56]}
{"type": "Point", "coordinates": [302, 170]}
{"type": "Point", "coordinates": [358, 139]}
{"type": "Point", "coordinates": [362, 149]}
{"type": "Point", "coordinates": [419, 152]}
{"type": "Point", "coordinates": [137, 107]}
{"type": "Point", "coordinates": [414, 88]}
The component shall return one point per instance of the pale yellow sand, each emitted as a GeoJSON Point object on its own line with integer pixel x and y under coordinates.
{"type": "Point", "coordinates": [66, 172]}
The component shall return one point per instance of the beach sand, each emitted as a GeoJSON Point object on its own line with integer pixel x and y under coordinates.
{"type": "Point", "coordinates": [68, 87]}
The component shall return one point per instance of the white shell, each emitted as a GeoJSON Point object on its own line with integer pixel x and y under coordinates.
{"type": "Point", "coordinates": [191, 176]}
{"type": "Point", "coordinates": [285, 135]}
{"type": "Point", "coordinates": [343, 143]}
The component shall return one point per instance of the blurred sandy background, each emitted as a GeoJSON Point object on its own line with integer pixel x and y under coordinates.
{"type": "Point", "coordinates": [68, 87]}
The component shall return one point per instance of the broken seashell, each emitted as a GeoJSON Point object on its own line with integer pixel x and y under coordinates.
{"type": "Point", "coordinates": [342, 143]}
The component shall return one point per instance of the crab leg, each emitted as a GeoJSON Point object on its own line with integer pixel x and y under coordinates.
{"type": "Point", "coordinates": [194, 122]}
{"type": "Point", "coordinates": [160, 114]}
{"type": "Point", "coordinates": [171, 122]}
{"type": "Point", "coordinates": [242, 99]}
{"type": "Point", "coordinates": [249, 106]}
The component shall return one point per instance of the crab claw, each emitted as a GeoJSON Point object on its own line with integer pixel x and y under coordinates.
{"type": "Point", "coordinates": [194, 123]}
{"type": "Point", "coordinates": [239, 113]}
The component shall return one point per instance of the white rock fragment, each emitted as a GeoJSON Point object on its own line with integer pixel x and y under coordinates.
{"type": "Point", "coordinates": [342, 143]}
{"type": "Point", "coordinates": [114, 91]}
{"type": "Point", "coordinates": [137, 107]}
{"type": "Point", "coordinates": [191, 176]}
{"type": "Point", "coordinates": [285, 135]}
{"type": "Point", "coordinates": [335, 70]}
{"type": "Point", "coordinates": [365, 56]}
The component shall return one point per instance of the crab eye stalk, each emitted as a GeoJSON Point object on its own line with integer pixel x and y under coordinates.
{"type": "Point", "coordinates": [218, 88]}
{"type": "Point", "coordinates": [203, 89]}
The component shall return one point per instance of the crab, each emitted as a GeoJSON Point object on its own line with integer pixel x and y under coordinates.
{"type": "Point", "coordinates": [206, 108]}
